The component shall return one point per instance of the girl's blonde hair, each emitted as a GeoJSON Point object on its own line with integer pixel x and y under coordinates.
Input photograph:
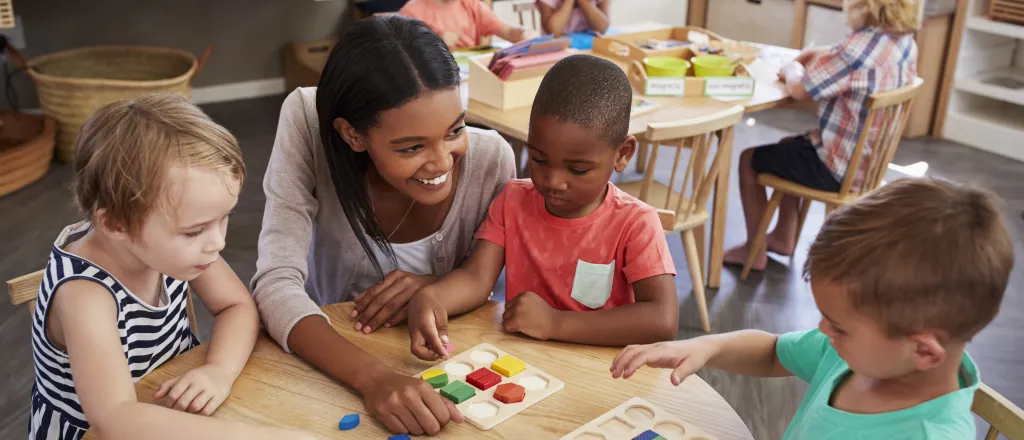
{"type": "Point", "coordinates": [893, 16]}
{"type": "Point", "coordinates": [124, 150]}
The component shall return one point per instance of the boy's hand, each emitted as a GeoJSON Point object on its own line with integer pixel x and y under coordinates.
{"type": "Point", "coordinates": [407, 404]}
{"type": "Point", "coordinates": [684, 357]}
{"type": "Point", "coordinates": [384, 303]}
{"type": "Point", "coordinates": [528, 313]}
{"type": "Point", "coordinates": [428, 326]}
{"type": "Point", "coordinates": [199, 391]}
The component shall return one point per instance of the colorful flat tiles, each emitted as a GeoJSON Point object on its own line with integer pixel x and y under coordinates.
{"type": "Point", "coordinates": [508, 366]}
{"type": "Point", "coordinates": [436, 378]}
{"type": "Point", "coordinates": [348, 422]}
{"type": "Point", "coordinates": [649, 435]}
{"type": "Point", "coordinates": [483, 378]}
{"type": "Point", "coordinates": [510, 393]}
{"type": "Point", "coordinates": [457, 391]}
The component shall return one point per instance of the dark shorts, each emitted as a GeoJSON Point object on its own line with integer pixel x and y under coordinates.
{"type": "Point", "coordinates": [795, 160]}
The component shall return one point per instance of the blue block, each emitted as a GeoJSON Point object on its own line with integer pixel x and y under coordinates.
{"type": "Point", "coordinates": [648, 435]}
{"type": "Point", "coordinates": [399, 437]}
{"type": "Point", "coordinates": [349, 422]}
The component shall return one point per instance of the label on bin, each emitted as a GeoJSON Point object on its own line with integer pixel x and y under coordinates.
{"type": "Point", "coordinates": [663, 86]}
{"type": "Point", "coordinates": [728, 86]}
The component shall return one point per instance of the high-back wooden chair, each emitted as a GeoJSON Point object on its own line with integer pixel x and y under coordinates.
{"type": "Point", "coordinates": [1002, 415]}
{"type": "Point", "coordinates": [892, 108]}
{"type": "Point", "coordinates": [686, 211]}
{"type": "Point", "coordinates": [25, 289]}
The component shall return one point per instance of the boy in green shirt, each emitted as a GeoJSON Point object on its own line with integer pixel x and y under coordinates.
{"type": "Point", "coordinates": [903, 277]}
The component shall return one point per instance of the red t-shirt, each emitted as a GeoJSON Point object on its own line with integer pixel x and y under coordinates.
{"type": "Point", "coordinates": [589, 263]}
{"type": "Point", "coordinates": [470, 20]}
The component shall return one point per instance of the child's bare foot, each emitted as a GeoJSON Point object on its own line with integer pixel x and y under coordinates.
{"type": "Point", "coordinates": [780, 245]}
{"type": "Point", "coordinates": [737, 256]}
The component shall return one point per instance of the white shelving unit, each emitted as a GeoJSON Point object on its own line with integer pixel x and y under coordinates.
{"type": "Point", "coordinates": [986, 109]}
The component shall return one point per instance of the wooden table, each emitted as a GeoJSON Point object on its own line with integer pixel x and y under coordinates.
{"type": "Point", "coordinates": [279, 389]}
{"type": "Point", "coordinates": [768, 93]}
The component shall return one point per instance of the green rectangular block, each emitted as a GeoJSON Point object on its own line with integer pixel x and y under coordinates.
{"type": "Point", "coordinates": [458, 391]}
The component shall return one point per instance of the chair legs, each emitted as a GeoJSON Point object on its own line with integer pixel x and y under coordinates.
{"type": "Point", "coordinates": [805, 205]}
{"type": "Point", "coordinates": [753, 247]}
{"type": "Point", "coordinates": [696, 277]}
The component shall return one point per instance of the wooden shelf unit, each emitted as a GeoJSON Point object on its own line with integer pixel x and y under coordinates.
{"type": "Point", "coordinates": [986, 105]}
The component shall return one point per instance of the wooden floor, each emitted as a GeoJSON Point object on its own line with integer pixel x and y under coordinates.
{"type": "Point", "coordinates": [776, 301]}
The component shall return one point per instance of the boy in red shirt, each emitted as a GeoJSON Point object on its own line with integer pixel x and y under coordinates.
{"type": "Point", "coordinates": [463, 23]}
{"type": "Point", "coordinates": [570, 241]}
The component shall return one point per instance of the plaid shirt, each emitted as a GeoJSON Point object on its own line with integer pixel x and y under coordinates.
{"type": "Point", "coordinates": [866, 62]}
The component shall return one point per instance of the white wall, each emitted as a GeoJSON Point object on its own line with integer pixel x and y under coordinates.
{"type": "Point", "coordinates": [769, 22]}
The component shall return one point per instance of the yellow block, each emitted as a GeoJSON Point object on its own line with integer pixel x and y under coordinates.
{"type": "Point", "coordinates": [508, 366]}
{"type": "Point", "coordinates": [432, 373]}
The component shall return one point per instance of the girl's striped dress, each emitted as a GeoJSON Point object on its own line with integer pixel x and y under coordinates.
{"type": "Point", "coordinates": [150, 336]}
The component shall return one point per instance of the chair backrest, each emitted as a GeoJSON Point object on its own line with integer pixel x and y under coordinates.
{"type": "Point", "coordinates": [25, 289]}
{"type": "Point", "coordinates": [524, 8]}
{"type": "Point", "coordinates": [1002, 415]}
{"type": "Point", "coordinates": [889, 111]}
{"type": "Point", "coordinates": [697, 134]}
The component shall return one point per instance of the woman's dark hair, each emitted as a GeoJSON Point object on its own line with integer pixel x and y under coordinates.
{"type": "Point", "coordinates": [378, 64]}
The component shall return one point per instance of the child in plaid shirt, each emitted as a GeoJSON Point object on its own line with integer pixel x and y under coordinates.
{"type": "Point", "coordinates": [879, 55]}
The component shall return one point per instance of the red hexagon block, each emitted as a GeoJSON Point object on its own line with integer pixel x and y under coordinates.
{"type": "Point", "coordinates": [483, 378]}
{"type": "Point", "coordinates": [510, 393]}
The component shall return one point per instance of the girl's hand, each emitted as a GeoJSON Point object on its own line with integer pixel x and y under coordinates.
{"type": "Point", "coordinates": [428, 327]}
{"type": "Point", "coordinates": [407, 404]}
{"type": "Point", "coordinates": [200, 391]}
{"type": "Point", "coordinates": [684, 357]}
{"type": "Point", "coordinates": [384, 303]}
{"type": "Point", "coordinates": [529, 314]}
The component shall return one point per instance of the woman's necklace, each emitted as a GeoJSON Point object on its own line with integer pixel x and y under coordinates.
{"type": "Point", "coordinates": [369, 190]}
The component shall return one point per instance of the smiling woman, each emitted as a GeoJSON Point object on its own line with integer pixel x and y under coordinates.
{"type": "Point", "coordinates": [375, 187]}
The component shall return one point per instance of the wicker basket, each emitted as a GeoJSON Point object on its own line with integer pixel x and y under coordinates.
{"type": "Point", "coordinates": [75, 83]}
{"type": "Point", "coordinates": [26, 149]}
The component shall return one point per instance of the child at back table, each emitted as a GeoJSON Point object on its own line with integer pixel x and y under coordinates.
{"type": "Point", "coordinates": [155, 179]}
{"type": "Point", "coordinates": [585, 262]}
{"type": "Point", "coordinates": [904, 278]}
{"type": "Point", "coordinates": [879, 55]}
{"type": "Point", "coordinates": [463, 23]}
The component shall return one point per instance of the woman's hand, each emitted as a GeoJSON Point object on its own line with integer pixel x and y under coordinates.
{"type": "Point", "coordinates": [384, 303]}
{"type": "Point", "coordinates": [407, 404]}
{"type": "Point", "coordinates": [428, 327]}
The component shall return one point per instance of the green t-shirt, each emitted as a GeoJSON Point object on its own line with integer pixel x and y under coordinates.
{"type": "Point", "coordinates": [810, 356]}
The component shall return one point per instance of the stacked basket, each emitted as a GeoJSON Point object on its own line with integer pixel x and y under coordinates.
{"type": "Point", "coordinates": [75, 83]}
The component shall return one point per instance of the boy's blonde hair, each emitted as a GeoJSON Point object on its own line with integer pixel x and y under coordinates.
{"type": "Point", "coordinates": [894, 16]}
{"type": "Point", "coordinates": [918, 254]}
{"type": "Point", "coordinates": [124, 150]}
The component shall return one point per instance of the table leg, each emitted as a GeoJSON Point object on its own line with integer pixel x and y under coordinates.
{"type": "Point", "coordinates": [721, 205]}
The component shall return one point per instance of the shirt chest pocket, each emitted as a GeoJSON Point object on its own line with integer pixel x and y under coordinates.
{"type": "Point", "coordinates": [592, 283]}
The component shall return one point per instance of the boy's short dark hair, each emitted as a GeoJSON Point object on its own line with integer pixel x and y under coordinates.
{"type": "Point", "coordinates": [588, 91]}
{"type": "Point", "coordinates": [918, 254]}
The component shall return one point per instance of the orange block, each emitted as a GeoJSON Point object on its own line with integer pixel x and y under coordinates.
{"type": "Point", "coordinates": [510, 393]}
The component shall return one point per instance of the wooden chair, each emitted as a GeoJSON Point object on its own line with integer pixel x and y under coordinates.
{"type": "Point", "coordinates": [1002, 415]}
{"type": "Point", "coordinates": [686, 211]}
{"type": "Point", "coordinates": [525, 8]}
{"type": "Point", "coordinates": [25, 289]}
{"type": "Point", "coordinates": [892, 108]}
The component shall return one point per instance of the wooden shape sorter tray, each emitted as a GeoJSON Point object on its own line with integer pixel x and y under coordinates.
{"type": "Point", "coordinates": [633, 418]}
{"type": "Point", "coordinates": [483, 410]}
